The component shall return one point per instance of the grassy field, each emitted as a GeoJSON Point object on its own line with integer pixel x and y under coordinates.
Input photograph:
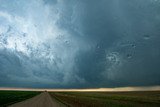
{"type": "Point", "coordinates": [109, 99]}
{"type": "Point", "coordinates": [10, 97]}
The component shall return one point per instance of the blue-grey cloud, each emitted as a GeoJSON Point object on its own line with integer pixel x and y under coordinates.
{"type": "Point", "coordinates": [79, 44]}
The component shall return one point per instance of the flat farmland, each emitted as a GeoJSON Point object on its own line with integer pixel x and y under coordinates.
{"type": "Point", "coordinates": [11, 97]}
{"type": "Point", "coordinates": [109, 99]}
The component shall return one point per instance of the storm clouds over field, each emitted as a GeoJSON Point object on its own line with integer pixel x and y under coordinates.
{"type": "Point", "coordinates": [79, 43]}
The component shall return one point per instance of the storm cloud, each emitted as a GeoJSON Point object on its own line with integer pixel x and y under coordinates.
{"type": "Point", "coordinates": [79, 43]}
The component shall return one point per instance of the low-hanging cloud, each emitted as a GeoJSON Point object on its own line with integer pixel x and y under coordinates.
{"type": "Point", "coordinates": [79, 44]}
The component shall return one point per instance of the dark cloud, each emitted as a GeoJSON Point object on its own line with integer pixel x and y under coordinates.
{"type": "Point", "coordinates": [79, 44]}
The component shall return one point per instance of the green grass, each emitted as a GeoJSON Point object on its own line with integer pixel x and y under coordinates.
{"type": "Point", "coordinates": [109, 99]}
{"type": "Point", "coordinates": [11, 97]}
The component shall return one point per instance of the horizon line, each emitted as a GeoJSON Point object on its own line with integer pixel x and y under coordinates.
{"type": "Point", "coordinates": [130, 88]}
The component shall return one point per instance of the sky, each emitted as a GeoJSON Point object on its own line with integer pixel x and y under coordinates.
{"type": "Point", "coordinates": [79, 43]}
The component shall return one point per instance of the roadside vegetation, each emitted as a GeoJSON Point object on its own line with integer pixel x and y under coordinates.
{"type": "Point", "coordinates": [109, 99]}
{"type": "Point", "coordinates": [11, 97]}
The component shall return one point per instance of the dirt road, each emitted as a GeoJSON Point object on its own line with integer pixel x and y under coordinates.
{"type": "Point", "coordinates": [41, 100]}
